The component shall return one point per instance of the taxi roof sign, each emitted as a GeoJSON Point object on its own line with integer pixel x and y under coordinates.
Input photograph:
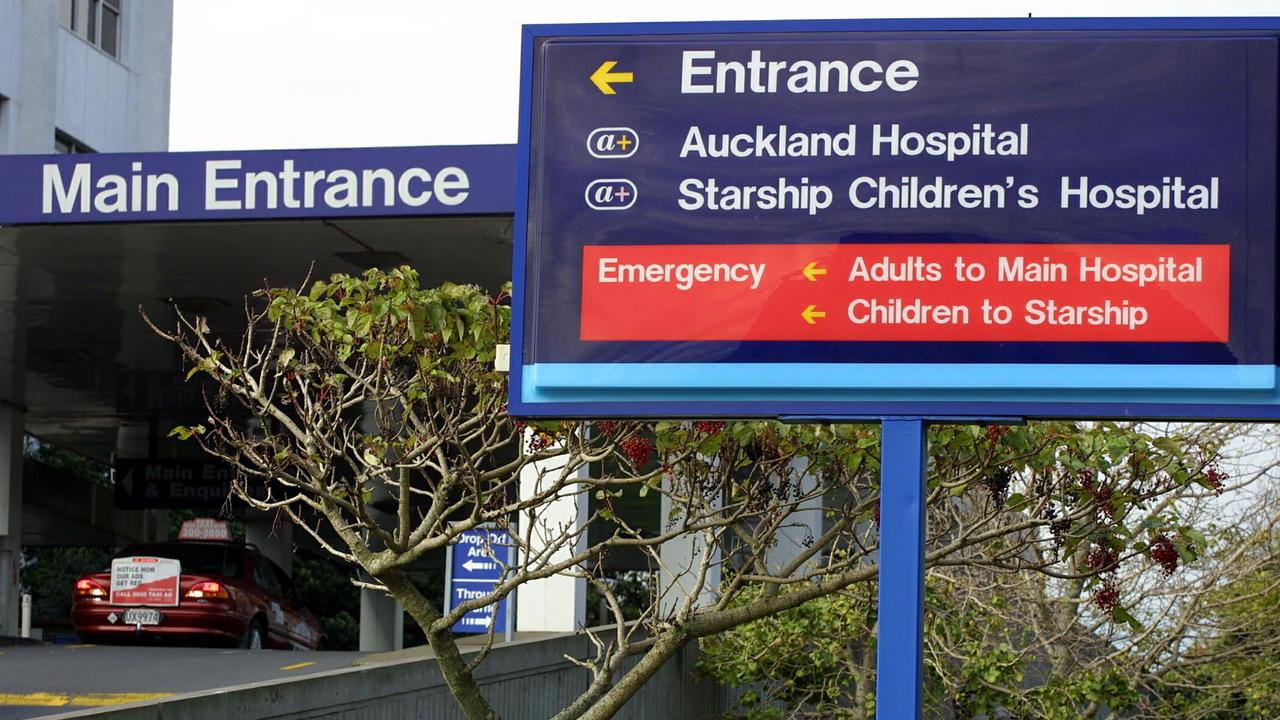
{"type": "Point", "coordinates": [204, 529]}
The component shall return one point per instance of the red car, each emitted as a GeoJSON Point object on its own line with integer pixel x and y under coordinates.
{"type": "Point", "coordinates": [229, 594]}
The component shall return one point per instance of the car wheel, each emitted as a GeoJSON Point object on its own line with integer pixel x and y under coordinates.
{"type": "Point", "coordinates": [255, 636]}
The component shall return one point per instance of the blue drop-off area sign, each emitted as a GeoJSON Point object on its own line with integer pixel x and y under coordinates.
{"type": "Point", "coordinates": [478, 559]}
{"type": "Point", "coordinates": [1034, 218]}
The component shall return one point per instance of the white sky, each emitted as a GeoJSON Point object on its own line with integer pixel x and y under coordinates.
{"type": "Point", "coordinates": [256, 74]}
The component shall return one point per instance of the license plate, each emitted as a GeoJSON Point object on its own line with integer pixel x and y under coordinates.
{"type": "Point", "coordinates": [142, 616]}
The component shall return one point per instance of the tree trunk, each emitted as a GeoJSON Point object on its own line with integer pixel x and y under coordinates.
{"type": "Point", "coordinates": [667, 645]}
{"type": "Point", "coordinates": [461, 682]}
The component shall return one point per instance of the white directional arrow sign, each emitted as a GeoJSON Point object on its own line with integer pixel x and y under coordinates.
{"type": "Point", "coordinates": [473, 565]}
{"type": "Point", "coordinates": [484, 621]}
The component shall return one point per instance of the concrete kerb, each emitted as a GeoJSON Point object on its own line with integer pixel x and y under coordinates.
{"type": "Point", "coordinates": [11, 641]}
{"type": "Point", "coordinates": [325, 692]}
{"type": "Point", "coordinates": [524, 679]}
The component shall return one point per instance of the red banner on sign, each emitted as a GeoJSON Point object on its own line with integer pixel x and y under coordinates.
{"type": "Point", "coordinates": [914, 292]}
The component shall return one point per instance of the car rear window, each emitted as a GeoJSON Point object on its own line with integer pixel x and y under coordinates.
{"type": "Point", "coordinates": [196, 558]}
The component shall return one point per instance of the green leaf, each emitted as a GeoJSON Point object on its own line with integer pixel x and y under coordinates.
{"type": "Point", "coordinates": [1016, 502]}
{"type": "Point", "coordinates": [855, 461]}
{"type": "Point", "coordinates": [185, 432]}
{"type": "Point", "coordinates": [1122, 615]}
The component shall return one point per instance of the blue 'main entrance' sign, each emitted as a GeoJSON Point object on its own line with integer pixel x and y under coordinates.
{"type": "Point", "coordinates": [262, 184]}
{"type": "Point", "coordinates": [1034, 218]}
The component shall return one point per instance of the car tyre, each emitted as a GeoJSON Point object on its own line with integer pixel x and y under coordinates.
{"type": "Point", "coordinates": [255, 636]}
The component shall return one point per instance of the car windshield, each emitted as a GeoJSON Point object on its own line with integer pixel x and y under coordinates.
{"type": "Point", "coordinates": [196, 558]}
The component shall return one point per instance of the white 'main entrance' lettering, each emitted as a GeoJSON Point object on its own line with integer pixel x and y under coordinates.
{"type": "Point", "coordinates": [136, 192]}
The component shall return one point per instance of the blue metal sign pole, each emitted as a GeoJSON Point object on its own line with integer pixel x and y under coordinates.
{"type": "Point", "coordinates": [900, 642]}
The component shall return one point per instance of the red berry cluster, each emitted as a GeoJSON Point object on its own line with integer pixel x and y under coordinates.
{"type": "Point", "coordinates": [1059, 528]}
{"type": "Point", "coordinates": [1215, 478]}
{"type": "Point", "coordinates": [540, 441]}
{"type": "Point", "coordinates": [1103, 558]}
{"type": "Point", "coordinates": [708, 427]}
{"type": "Point", "coordinates": [769, 448]}
{"type": "Point", "coordinates": [638, 450]}
{"type": "Point", "coordinates": [608, 427]}
{"type": "Point", "coordinates": [1107, 597]}
{"type": "Point", "coordinates": [996, 433]}
{"type": "Point", "coordinates": [1164, 553]}
{"type": "Point", "coordinates": [998, 484]}
{"type": "Point", "coordinates": [1101, 494]}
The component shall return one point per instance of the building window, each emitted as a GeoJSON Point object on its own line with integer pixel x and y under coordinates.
{"type": "Point", "coordinates": [64, 144]}
{"type": "Point", "coordinates": [97, 21]}
{"type": "Point", "coordinates": [70, 16]}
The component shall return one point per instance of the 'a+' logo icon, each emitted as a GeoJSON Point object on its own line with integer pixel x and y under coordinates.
{"type": "Point", "coordinates": [613, 142]}
{"type": "Point", "coordinates": [611, 194]}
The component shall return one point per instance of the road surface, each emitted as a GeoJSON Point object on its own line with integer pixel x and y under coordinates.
{"type": "Point", "coordinates": [38, 680]}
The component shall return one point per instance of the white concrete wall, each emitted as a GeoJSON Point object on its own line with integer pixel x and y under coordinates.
{"type": "Point", "coordinates": [31, 91]}
{"type": "Point", "coordinates": [557, 603]}
{"type": "Point", "coordinates": [148, 42]}
{"type": "Point", "coordinates": [10, 47]}
{"type": "Point", "coordinates": [10, 54]}
{"type": "Point", "coordinates": [55, 79]}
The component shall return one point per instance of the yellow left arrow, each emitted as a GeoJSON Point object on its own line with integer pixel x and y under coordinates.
{"type": "Point", "coordinates": [811, 314]}
{"type": "Point", "coordinates": [604, 75]}
{"type": "Point", "coordinates": [812, 271]}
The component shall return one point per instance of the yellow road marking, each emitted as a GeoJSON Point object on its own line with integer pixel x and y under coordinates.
{"type": "Point", "coordinates": [296, 666]}
{"type": "Point", "coordinates": [42, 699]}
{"type": "Point", "coordinates": [77, 647]}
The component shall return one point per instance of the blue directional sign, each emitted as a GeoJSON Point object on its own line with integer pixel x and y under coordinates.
{"type": "Point", "coordinates": [1037, 218]}
{"type": "Point", "coordinates": [477, 560]}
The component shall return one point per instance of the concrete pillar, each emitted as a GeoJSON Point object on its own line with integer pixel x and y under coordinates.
{"type": "Point", "coordinates": [557, 603]}
{"type": "Point", "coordinates": [13, 354]}
{"type": "Point", "coordinates": [381, 617]}
{"type": "Point", "coordinates": [34, 106]}
{"type": "Point", "coordinates": [274, 539]}
{"type": "Point", "coordinates": [271, 532]}
{"type": "Point", "coordinates": [802, 525]}
{"type": "Point", "coordinates": [381, 622]}
{"type": "Point", "coordinates": [11, 436]}
{"type": "Point", "coordinates": [682, 557]}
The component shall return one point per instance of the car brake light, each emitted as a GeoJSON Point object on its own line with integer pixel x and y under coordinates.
{"type": "Point", "coordinates": [86, 588]}
{"type": "Point", "coordinates": [209, 590]}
